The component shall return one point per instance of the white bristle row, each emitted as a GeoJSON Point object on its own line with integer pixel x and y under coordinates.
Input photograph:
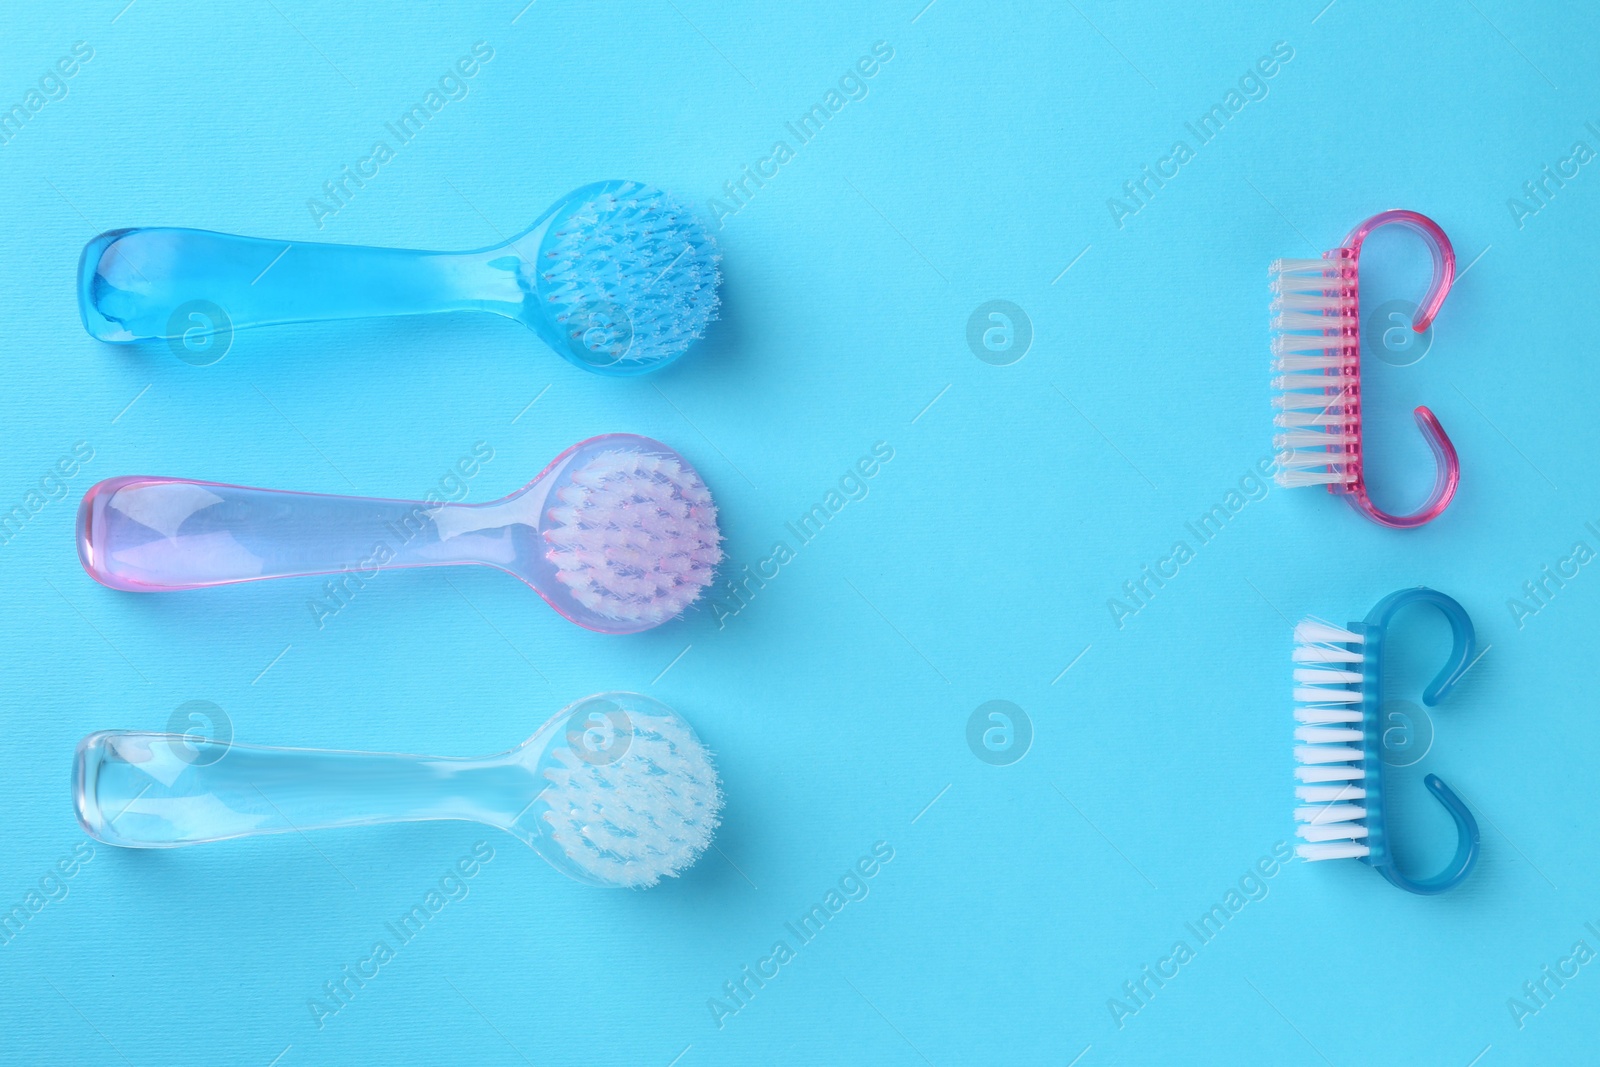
{"type": "Point", "coordinates": [1313, 402]}
{"type": "Point", "coordinates": [640, 818]}
{"type": "Point", "coordinates": [1320, 714]}
{"type": "Point", "coordinates": [1316, 366]}
{"type": "Point", "coordinates": [1315, 694]}
{"type": "Point", "coordinates": [1330, 742]}
{"type": "Point", "coordinates": [1302, 439]}
{"type": "Point", "coordinates": [1314, 755]}
{"type": "Point", "coordinates": [1343, 831]}
{"type": "Point", "coordinates": [1325, 654]}
{"type": "Point", "coordinates": [1320, 814]}
{"type": "Point", "coordinates": [1326, 735]}
{"type": "Point", "coordinates": [1294, 382]}
{"type": "Point", "coordinates": [1289, 344]}
{"type": "Point", "coordinates": [1299, 269]}
{"type": "Point", "coordinates": [1300, 363]}
{"type": "Point", "coordinates": [1316, 631]}
{"type": "Point", "coordinates": [1340, 851]}
{"type": "Point", "coordinates": [1322, 676]}
{"type": "Point", "coordinates": [1322, 794]}
{"type": "Point", "coordinates": [1329, 773]}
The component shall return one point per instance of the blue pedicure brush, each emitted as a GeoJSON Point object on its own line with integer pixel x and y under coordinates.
{"type": "Point", "coordinates": [1340, 739]}
{"type": "Point", "coordinates": [616, 277]}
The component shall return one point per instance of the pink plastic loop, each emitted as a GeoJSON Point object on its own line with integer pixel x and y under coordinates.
{"type": "Point", "coordinates": [1446, 477]}
{"type": "Point", "coordinates": [1444, 256]}
{"type": "Point", "coordinates": [1447, 474]}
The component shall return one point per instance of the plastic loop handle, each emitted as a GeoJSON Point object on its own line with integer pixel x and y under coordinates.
{"type": "Point", "coordinates": [1447, 463]}
{"type": "Point", "coordinates": [1460, 659]}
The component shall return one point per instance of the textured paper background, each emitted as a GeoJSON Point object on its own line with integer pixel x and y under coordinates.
{"type": "Point", "coordinates": [978, 567]}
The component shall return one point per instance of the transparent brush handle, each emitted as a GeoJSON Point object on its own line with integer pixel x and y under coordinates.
{"type": "Point", "coordinates": [156, 790]}
{"type": "Point", "coordinates": [153, 282]}
{"type": "Point", "coordinates": [154, 534]}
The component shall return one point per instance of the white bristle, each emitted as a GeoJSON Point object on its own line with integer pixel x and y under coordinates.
{"type": "Point", "coordinates": [1307, 362]}
{"type": "Point", "coordinates": [1317, 367]}
{"type": "Point", "coordinates": [1299, 479]}
{"type": "Point", "coordinates": [1326, 654]}
{"type": "Point", "coordinates": [1310, 438]}
{"type": "Point", "coordinates": [1329, 813]}
{"type": "Point", "coordinates": [1316, 303]}
{"type": "Point", "coordinates": [1330, 773]}
{"type": "Point", "coordinates": [640, 818]}
{"type": "Point", "coordinates": [1311, 755]}
{"type": "Point", "coordinates": [1290, 343]}
{"type": "Point", "coordinates": [1330, 323]}
{"type": "Point", "coordinates": [1334, 403]}
{"type": "Point", "coordinates": [1322, 417]}
{"type": "Point", "coordinates": [1339, 831]}
{"type": "Point", "coordinates": [1296, 382]}
{"type": "Point", "coordinates": [1319, 713]}
{"type": "Point", "coordinates": [634, 536]}
{"type": "Point", "coordinates": [1295, 271]}
{"type": "Point", "coordinates": [1311, 466]}
{"type": "Point", "coordinates": [1318, 735]}
{"type": "Point", "coordinates": [1312, 794]}
{"type": "Point", "coordinates": [1315, 630]}
{"type": "Point", "coordinates": [1295, 419]}
{"type": "Point", "coordinates": [1331, 740]}
{"type": "Point", "coordinates": [1331, 851]}
{"type": "Point", "coordinates": [1311, 694]}
{"type": "Point", "coordinates": [1309, 266]}
{"type": "Point", "coordinates": [1320, 676]}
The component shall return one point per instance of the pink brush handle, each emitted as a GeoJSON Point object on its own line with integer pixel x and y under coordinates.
{"type": "Point", "coordinates": [1443, 252]}
{"type": "Point", "coordinates": [1447, 476]}
{"type": "Point", "coordinates": [154, 534]}
{"type": "Point", "coordinates": [1447, 463]}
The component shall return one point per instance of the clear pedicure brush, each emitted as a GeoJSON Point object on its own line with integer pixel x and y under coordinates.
{"type": "Point", "coordinates": [614, 791]}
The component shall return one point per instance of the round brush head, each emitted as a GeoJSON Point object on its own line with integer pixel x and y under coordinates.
{"type": "Point", "coordinates": [626, 278]}
{"type": "Point", "coordinates": [631, 795]}
{"type": "Point", "coordinates": [631, 532]}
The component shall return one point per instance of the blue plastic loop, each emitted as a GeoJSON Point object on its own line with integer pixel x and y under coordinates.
{"type": "Point", "coordinates": [1375, 628]}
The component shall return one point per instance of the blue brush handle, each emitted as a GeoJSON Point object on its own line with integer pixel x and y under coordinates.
{"type": "Point", "coordinates": [1462, 655]}
{"type": "Point", "coordinates": [152, 282]}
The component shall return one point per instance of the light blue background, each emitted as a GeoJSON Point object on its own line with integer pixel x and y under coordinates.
{"type": "Point", "coordinates": [978, 567]}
